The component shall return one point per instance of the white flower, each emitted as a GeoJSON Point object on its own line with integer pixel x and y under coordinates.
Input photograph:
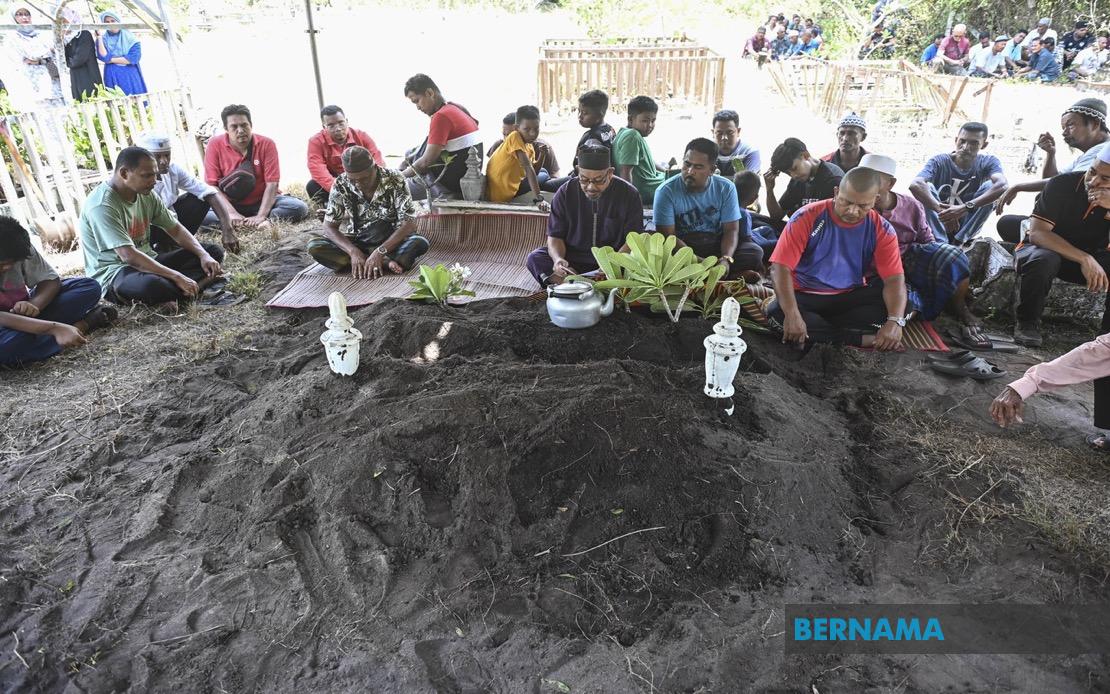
{"type": "Point", "coordinates": [460, 271]}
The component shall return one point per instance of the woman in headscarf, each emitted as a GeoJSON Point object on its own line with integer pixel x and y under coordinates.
{"type": "Point", "coordinates": [84, 71]}
{"type": "Point", "coordinates": [35, 49]}
{"type": "Point", "coordinates": [120, 52]}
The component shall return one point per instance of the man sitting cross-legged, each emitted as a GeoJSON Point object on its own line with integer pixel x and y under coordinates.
{"type": "Point", "coordinates": [936, 273]}
{"type": "Point", "coordinates": [380, 237]}
{"type": "Point", "coordinates": [41, 314]}
{"type": "Point", "coordinates": [837, 272]}
{"type": "Point", "coordinates": [187, 197]}
{"type": "Point", "coordinates": [957, 188]}
{"type": "Point", "coordinates": [115, 238]}
{"type": "Point", "coordinates": [702, 210]}
{"type": "Point", "coordinates": [1068, 237]}
{"type": "Point", "coordinates": [244, 166]}
{"type": "Point", "coordinates": [591, 210]}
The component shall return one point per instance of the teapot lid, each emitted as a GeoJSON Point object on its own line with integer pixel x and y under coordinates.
{"type": "Point", "coordinates": [571, 289]}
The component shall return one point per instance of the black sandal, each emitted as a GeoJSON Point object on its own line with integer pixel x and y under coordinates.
{"type": "Point", "coordinates": [1099, 443]}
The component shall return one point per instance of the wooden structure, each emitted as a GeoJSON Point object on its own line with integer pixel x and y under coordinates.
{"type": "Point", "coordinates": [888, 87]}
{"type": "Point", "coordinates": [51, 158]}
{"type": "Point", "coordinates": [676, 70]}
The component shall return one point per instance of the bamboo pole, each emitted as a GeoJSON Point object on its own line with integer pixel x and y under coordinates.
{"type": "Point", "coordinates": [98, 156]}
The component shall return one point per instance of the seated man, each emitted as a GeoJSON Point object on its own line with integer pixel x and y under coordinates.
{"type": "Point", "coordinates": [513, 169]}
{"type": "Point", "coordinates": [1075, 41]}
{"type": "Point", "coordinates": [435, 168]}
{"type": "Point", "coordinates": [631, 155]}
{"type": "Point", "coordinates": [747, 185]}
{"type": "Point", "coordinates": [40, 314]}
{"type": "Point", "coordinates": [810, 180]}
{"type": "Point", "coordinates": [952, 55]}
{"type": "Point", "coordinates": [592, 107]}
{"type": "Point", "coordinates": [936, 273]}
{"type": "Point", "coordinates": [735, 155]}
{"type": "Point", "coordinates": [382, 218]}
{"type": "Point", "coordinates": [1087, 362]}
{"type": "Point", "coordinates": [757, 47]}
{"type": "Point", "coordinates": [837, 272]}
{"type": "Point", "coordinates": [1084, 129]}
{"type": "Point", "coordinates": [1090, 60]}
{"type": "Point", "coordinates": [245, 168]}
{"type": "Point", "coordinates": [991, 62]}
{"type": "Point", "coordinates": [1068, 238]}
{"type": "Point", "coordinates": [591, 210]}
{"type": "Point", "coordinates": [930, 52]}
{"type": "Point", "coordinates": [702, 210]}
{"type": "Point", "coordinates": [850, 135]}
{"type": "Point", "coordinates": [115, 239]}
{"type": "Point", "coordinates": [957, 189]}
{"type": "Point", "coordinates": [1013, 52]}
{"type": "Point", "coordinates": [325, 148]}
{"type": "Point", "coordinates": [191, 206]}
{"type": "Point", "coordinates": [780, 46]}
{"type": "Point", "coordinates": [1043, 65]}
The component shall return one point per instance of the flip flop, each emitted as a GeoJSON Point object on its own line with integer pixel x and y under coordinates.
{"type": "Point", "coordinates": [961, 356]}
{"type": "Point", "coordinates": [220, 300]}
{"type": "Point", "coordinates": [977, 368]}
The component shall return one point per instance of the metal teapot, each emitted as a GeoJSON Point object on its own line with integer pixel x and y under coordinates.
{"type": "Point", "coordinates": [575, 304]}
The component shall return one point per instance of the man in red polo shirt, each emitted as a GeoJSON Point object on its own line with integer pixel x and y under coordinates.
{"type": "Point", "coordinates": [250, 184]}
{"type": "Point", "coordinates": [325, 151]}
{"type": "Point", "coordinates": [452, 132]}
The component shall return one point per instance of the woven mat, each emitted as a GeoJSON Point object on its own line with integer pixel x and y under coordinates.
{"type": "Point", "coordinates": [493, 246]}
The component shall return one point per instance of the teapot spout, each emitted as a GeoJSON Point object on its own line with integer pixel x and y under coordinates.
{"type": "Point", "coordinates": [607, 308]}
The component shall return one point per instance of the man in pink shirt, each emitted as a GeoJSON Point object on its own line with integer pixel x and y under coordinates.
{"type": "Point", "coordinates": [952, 55]}
{"type": "Point", "coordinates": [325, 151]}
{"type": "Point", "coordinates": [245, 170]}
{"type": "Point", "coordinates": [1089, 361]}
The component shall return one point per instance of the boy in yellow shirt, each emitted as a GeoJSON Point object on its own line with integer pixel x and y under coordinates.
{"type": "Point", "coordinates": [513, 169]}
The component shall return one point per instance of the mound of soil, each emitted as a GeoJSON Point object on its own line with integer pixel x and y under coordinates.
{"type": "Point", "coordinates": [492, 504]}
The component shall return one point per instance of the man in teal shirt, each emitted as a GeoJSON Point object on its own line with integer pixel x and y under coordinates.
{"type": "Point", "coordinates": [115, 239]}
{"type": "Point", "coordinates": [631, 154]}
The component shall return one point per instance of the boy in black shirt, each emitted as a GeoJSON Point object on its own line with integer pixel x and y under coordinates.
{"type": "Point", "coordinates": [592, 107]}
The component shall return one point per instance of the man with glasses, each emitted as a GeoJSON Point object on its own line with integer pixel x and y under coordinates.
{"type": "Point", "coordinates": [325, 151]}
{"type": "Point", "coordinates": [591, 210]}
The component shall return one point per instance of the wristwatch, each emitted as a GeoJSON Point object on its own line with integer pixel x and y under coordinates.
{"type": "Point", "coordinates": [970, 205]}
{"type": "Point", "coordinates": [382, 249]}
{"type": "Point", "coordinates": [898, 319]}
{"type": "Point", "coordinates": [537, 200]}
{"type": "Point", "coordinates": [728, 258]}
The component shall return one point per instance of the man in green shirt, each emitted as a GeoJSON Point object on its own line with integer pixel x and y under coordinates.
{"type": "Point", "coordinates": [115, 238]}
{"type": "Point", "coordinates": [631, 153]}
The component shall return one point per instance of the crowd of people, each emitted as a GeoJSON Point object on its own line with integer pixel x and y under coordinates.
{"type": "Point", "coordinates": [780, 39]}
{"type": "Point", "coordinates": [36, 80]}
{"type": "Point", "coordinates": [1033, 54]}
{"type": "Point", "coordinates": [850, 259]}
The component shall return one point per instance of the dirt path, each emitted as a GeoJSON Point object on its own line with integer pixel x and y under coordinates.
{"type": "Point", "coordinates": [447, 519]}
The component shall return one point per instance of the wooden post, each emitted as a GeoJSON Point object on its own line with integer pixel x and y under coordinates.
{"type": "Point", "coordinates": [987, 101]}
{"type": "Point", "coordinates": [90, 126]}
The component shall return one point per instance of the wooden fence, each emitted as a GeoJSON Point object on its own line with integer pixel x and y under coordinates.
{"type": "Point", "coordinates": [889, 87]}
{"type": "Point", "coordinates": [52, 158]}
{"type": "Point", "coordinates": [673, 70]}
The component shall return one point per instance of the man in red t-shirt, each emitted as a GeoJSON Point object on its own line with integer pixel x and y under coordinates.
{"type": "Point", "coordinates": [325, 151]}
{"type": "Point", "coordinates": [252, 205]}
{"type": "Point", "coordinates": [452, 132]}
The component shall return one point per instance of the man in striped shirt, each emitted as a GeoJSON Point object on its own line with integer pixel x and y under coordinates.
{"type": "Point", "coordinates": [436, 167]}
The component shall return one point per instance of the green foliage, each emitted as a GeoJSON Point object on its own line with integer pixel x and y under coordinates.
{"type": "Point", "coordinates": [653, 273]}
{"type": "Point", "coordinates": [245, 282]}
{"type": "Point", "coordinates": [440, 283]}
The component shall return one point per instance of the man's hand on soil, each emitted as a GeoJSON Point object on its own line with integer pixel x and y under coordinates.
{"type": "Point", "coordinates": [67, 336]}
{"type": "Point", "coordinates": [794, 329]}
{"type": "Point", "coordinates": [1007, 408]}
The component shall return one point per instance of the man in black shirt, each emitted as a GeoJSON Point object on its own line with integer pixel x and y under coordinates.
{"type": "Point", "coordinates": [1075, 41]}
{"type": "Point", "coordinates": [1068, 238]}
{"type": "Point", "coordinates": [810, 180]}
{"type": "Point", "coordinates": [592, 107]}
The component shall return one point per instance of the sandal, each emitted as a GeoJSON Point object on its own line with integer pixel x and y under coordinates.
{"type": "Point", "coordinates": [1099, 443]}
{"type": "Point", "coordinates": [976, 368]}
{"type": "Point", "coordinates": [970, 337]}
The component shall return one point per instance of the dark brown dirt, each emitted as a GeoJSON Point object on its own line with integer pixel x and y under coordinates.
{"type": "Point", "coordinates": [442, 521]}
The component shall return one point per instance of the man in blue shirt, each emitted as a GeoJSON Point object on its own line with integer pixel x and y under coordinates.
{"type": "Point", "coordinates": [1043, 65]}
{"type": "Point", "coordinates": [957, 188]}
{"type": "Point", "coordinates": [930, 51]}
{"type": "Point", "coordinates": [702, 210]}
